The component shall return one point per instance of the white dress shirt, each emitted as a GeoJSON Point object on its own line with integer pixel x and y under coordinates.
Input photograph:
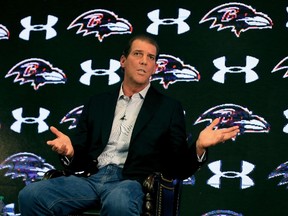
{"type": "Point", "coordinates": [126, 113]}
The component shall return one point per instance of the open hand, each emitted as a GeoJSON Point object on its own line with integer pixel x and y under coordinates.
{"type": "Point", "coordinates": [61, 144]}
{"type": "Point", "coordinates": [211, 136]}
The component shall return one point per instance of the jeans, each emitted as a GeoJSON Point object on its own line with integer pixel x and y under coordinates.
{"type": "Point", "coordinates": [63, 195]}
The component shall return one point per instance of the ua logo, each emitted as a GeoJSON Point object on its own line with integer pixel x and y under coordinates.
{"type": "Point", "coordinates": [153, 28]}
{"type": "Point", "coordinates": [42, 126]}
{"type": "Point", "coordinates": [287, 12]}
{"type": "Point", "coordinates": [246, 181]}
{"type": "Point", "coordinates": [285, 129]}
{"type": "Point", "coordinates": [250, 75]}
{"type": "Point", "coordinates": [50, 32]}
{"type": "Point", "coordinates": [87, 67]}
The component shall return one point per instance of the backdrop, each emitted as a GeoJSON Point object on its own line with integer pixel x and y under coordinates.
{"type": "Point", "coordinates": [219, 58]}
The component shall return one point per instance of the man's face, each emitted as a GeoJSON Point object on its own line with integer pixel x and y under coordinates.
{"type": "Point", "coordinates": [140, 64]}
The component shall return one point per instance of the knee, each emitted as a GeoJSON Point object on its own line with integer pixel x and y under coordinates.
{"type": "Point", "coordinates": [29, 195]}
{"type": "Point", "coordinates": [122, 204]}
{"type": "Point", "coordinates": [26, 196]}
{"type": "Point", "coordinates": [117, 202]}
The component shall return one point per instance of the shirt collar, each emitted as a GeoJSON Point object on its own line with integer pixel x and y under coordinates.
{"type": "Point", "coordinates": [142, 93]}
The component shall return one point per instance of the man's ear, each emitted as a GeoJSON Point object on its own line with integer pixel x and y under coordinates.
{"type": "Point", "coordinates": [122, 60]}
{"type": "Point", "coordinates": [156, 66]}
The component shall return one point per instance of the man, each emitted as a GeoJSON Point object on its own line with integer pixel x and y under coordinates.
{"type": "Point", "coordinates": [122, 137]}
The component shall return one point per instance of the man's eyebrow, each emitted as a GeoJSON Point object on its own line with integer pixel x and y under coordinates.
{"type": "Point", "coordinates": [137, 50]}
{"type": "Point", "coordinates": [142, 51]}
{"type": "Point", "coordinates": [152, 55]}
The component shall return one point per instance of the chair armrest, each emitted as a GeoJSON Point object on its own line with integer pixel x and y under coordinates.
{"type": "Point", "coordinates": [162, 195]}
{"type": "Point", "coordinates": [53, 174]}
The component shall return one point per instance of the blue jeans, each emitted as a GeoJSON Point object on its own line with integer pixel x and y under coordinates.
{"type": "Point", "coordinates": [63, 195]}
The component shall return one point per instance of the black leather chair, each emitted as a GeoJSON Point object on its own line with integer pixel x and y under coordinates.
{"type": "Point", "coordinates": [162, 195]}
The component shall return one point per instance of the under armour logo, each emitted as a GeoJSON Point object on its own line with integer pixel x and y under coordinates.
{"type": "Point", "coordinates": [190, 180]}
{"type": "Point", "coordinates": [50, 32]}
{"type": "Point", "coordinates": [183, 14]}
{"type": "Point", "coordinates": [287, 12]}
{"type": "Point", "coordinates": [246, 181]}
{"type": "Point", "coordinates": [285, 129]}
{"type": "Point", "coordinates": [42, 126]}
{"type": "Point", "coordinates": [250, 75]}
{"type": "Point", "coordinates": [87, 68]}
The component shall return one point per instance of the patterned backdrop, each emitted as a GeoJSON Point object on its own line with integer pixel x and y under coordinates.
{"type": "Point", "coordinates": [219, 58]}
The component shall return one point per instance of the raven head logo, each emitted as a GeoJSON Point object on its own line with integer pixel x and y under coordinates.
{"type": "Point", "coordinates": [25, 165]}
{"type": "Point", "coordinates": [102, 23]}
{"type": "Point", "coordinates": [222, 213]}
{"type": "Point", "coordinates": [171, 69]}
{"type": "Point", "coordinates": [232, 115]}
{"type": "Point", "coordinates": [73, 116]}
{"type": "Point", "coordinates": [282, 65]}
{"type": "Point", "coordinates": [4, 32]}
{"type": "Point", "coordinates": [281, 170]}
{"type": "Point", "coordinates": [238, 16]}
{"type": "Point", "coordinates": [36, 71]}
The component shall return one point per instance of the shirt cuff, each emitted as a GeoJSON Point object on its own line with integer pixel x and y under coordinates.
{"type": "Point", "coordinates": [65, 160]}
{"type": "Point", "coordinates": [202, 157]}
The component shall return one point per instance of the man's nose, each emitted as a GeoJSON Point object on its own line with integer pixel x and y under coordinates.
{"type": "Point", "coordinates": [143, 60]}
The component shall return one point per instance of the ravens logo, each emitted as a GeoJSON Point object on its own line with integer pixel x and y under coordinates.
{"type": "Point", "coordinates": [36, 71]}
{"type": "Point", "coordinates": [237, 16]}
{"type": "Point", "coordinates": [73, 116]}
{"type": "Point", "coordinates": [222, 213]}
{"type": "Point", "coordinates": [281, 170]}
{"type": "Point", "coordinates": [102, 23]}
{"type": "Point", "coordinates": [232, 115]}
{"type": "Point", "coordinates": [25, 165]}
{"type": "Point", "coordinates": [4, 33]}
{"type": "Point", "coordinates": [282, 65]}
{"type": "Point", "coordinates": [171, 69]}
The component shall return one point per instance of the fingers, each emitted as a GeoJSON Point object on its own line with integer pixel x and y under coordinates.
{"type": "Point", "coordinates": [229, 133]}
{"type": "Point", "coordinates": [214, 123]}
{"type": "Point", "coordinates": [211, 135]}
{"type": "Point", "coordinates": [61, 149]}
{"type": "Point", "coordinates": [55, 131]}
{"type": "Point", "coordinates": [61, 144]}
{"type": "Point", "coordinates": [57, 144]}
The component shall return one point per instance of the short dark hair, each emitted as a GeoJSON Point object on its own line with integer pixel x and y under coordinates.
{"type": "Point", "coordinates": [142, 37]}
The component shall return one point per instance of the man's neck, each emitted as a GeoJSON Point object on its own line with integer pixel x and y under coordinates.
{"type": "Point", "coordinates": [129, 90]}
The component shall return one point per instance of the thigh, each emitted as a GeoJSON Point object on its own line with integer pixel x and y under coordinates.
{"type": "Point", "coordinates": [60, 195]}
{"type": "Point", "coordinates": [122, 198]}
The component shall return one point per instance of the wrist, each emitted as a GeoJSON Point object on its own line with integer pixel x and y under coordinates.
{"type": "Point", "coordinates": [199, 148]}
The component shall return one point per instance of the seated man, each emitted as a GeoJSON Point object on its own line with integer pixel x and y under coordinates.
{"type": "Point", "coordinates": [122, 136]}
